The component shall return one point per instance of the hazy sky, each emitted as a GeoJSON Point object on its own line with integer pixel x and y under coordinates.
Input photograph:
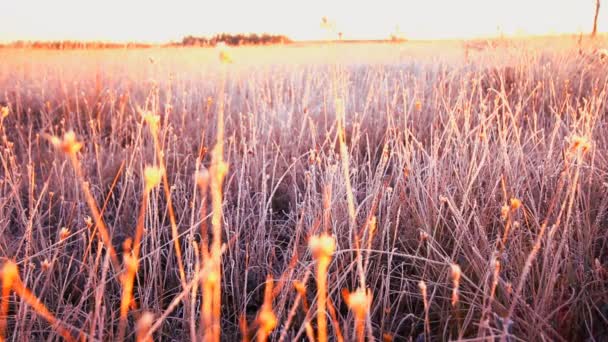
{"type": "Point", "coordinates": [157, 21]}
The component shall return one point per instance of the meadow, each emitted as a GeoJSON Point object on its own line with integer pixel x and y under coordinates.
{"type": "Point", "coordinates": [342, 192]}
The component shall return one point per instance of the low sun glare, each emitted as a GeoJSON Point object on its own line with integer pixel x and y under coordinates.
{"type": "Point", "coordinates": [156, 21]}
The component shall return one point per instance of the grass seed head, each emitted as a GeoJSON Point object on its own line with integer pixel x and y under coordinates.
{"type": "Point", "coordinates": [152, 176]}
{"type": "Point", "coordinates": [322, 246]}
{"type": "Point", "coordinates": [9, 273]}
{"type": "Point", "coordinates": [64, 233]}
{"type": "Point", "coordinates": [515, 204]}
{"type": "Point", "coordinates": [152, 120]}
{"type": "Point", "coordinates": [358, 301]}
{"type": "Point", "coordinates": [68, 144]}
{"type": "Point", "coordinates": [46, 265]}
{"type": "Point", "coordinates": [422, 287]}
{"type": "Point", "coordinates": [88, 221]}
{"type": "Point", "coordinates": [579, 144]}
{"type": "Point", "coordinates": [424, 236]}
{"type": "Point", "coordinates": [504, 211]}
{"type": "Point", "coordinates": [267, 319]}
{"type": "Point", "coordinates": [456, 272]}
{"type": "Point", "coordinates": [4, 111]}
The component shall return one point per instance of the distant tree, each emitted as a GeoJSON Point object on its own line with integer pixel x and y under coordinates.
{"type": "Point", "coordinates": [597, 12]}
{"type": "Point", "coordinates": [397, 35]}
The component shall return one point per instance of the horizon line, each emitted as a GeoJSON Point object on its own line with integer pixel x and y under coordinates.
{"type": "Point", "coordinates": [291, 41]}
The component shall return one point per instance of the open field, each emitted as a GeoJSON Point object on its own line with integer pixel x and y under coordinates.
{"type": "Point", "coordinates": [466, 191]}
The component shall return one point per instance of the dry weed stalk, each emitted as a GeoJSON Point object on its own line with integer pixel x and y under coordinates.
{"type": "Point", "coordinates": [358, 302]}
{"type": "Point", "coordinates": [12, 281]}
{"type": "Point", "coordinates": [425, 301]}
{"type": "Point", "coordinates": [266, 320]}
{"type": "Point", "coordinates": [507, 212]}
{"type": "Point", "coordinates": [322, 248]}
{"type": "Point", "coordinates": [212, 255]}
{"type": "Point", "coordinates": [456, 273]}
{"type": "Point", "coordinates": [70, 146]}
{"type": "Point", "coordinates": [153, 122]}
{"type": "Point", "coordinates": [143, 327]}
{"type": "Point", "coordinates": [579, 146]}
{"type": "Point", "coordinates": [152, 178]}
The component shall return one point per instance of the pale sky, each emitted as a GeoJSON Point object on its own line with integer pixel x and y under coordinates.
{"type": "Point", "coordinates": [160, 21]}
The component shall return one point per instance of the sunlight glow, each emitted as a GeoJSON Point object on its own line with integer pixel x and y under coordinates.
{"type": "Point", "coordinates": [160, 21]}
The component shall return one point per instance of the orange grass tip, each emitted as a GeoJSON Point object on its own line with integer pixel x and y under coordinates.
{"type": "Point", "coordinates": [64, 233]}
{"type": "Point", "coordinates": [504, 211]}
{"type": "Point", "coordinates": [299, 287]}
{"type": "Point", "coordinates": [9, 273]}
{"type": "Point", "coordinates": [579, 143]}
{"type": "Point", "coordinates": [322, 246]}
{"type": "Point", "coordinates": [88, 221]}
{"type": "Point", "coordinates": [456, 273]}
{"type": "Point", "coordinates": [422, 287]}
{"type": "Point", "coordinates": [267, 320]}
{"type": "Point", "coordinates": [4, 111]}
{"type": "Point", "coordinates": [423, 236]}
{"type": "Point", "coordinates": [152, 176]}
{"type": "Point", "coordinates": [46, 265]}
{"type": "Point", "coordinates": [515, 204]}
{"type": "Point", "coordinates": [386, 337]}
{"type": "Point", "coordinates": [373, 224]}
{"type": "Point", "coordinates": [68, 144]}
{"type": "Point", "coordinates": [418, 105]}
{"type": "Point", "coordinates": [358, 301]}
{"type": "Point", "coordinates": [151, 119]}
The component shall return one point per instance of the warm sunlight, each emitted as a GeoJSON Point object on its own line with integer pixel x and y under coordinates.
{"type": "Point", "coordinates": [311, 170]}
{"type": "Point", "coordinates": [161, 21]}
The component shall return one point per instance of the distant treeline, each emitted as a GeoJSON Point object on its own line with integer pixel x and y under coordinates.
{"type": "Point", "coordinates": [236, 39]}
{"type": "Point", "coordinates": [229, 39]}
{"type": "Point", "coordinates": [73, 44]}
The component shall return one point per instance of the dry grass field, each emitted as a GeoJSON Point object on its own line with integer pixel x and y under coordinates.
{"type": "Point", "coordinates": [348, 192]}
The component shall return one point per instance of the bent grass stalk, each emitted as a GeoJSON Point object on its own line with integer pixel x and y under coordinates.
{"type": "Point", "coordinates": [12, 281]}
{"type": "Point", "coordinates": [70, 146]}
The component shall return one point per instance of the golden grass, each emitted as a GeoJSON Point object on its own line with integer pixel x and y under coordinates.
{"type": "Point", "coordinates": [459, 196]}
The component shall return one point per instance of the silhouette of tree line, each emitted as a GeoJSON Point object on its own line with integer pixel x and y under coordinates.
{"type": "Point", "coordinates": [236, 39]}
{"type": "Point", "coordinates": [228, 39]}
{"type": "Point", "coordinates": [73, 45]}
